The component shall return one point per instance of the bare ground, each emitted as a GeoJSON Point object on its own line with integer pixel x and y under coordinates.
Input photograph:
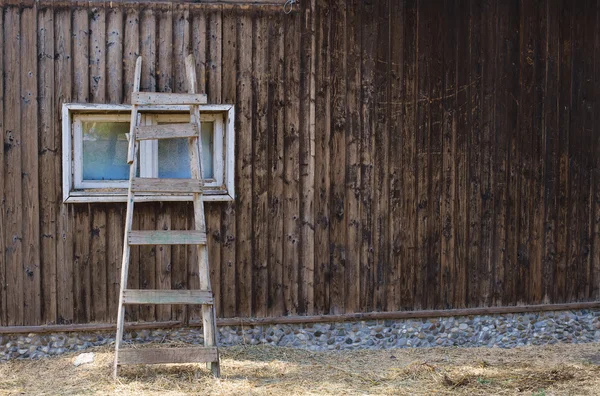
{"type": "Point", "coordinates": [548, 370]}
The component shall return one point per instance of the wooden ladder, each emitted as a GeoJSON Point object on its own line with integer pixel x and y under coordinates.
{"type": "Point", "coordinates": [209, 353]}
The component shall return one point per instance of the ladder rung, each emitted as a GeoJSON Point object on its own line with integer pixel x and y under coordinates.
{"type": "Point", "coordinates": [166, 99]}
{"type": "Point", "coordinates": [168, 355]}
{"type": "Point", "coordinates": [166, 131]}
{"type": "Point", "coordinates": [146, 296]}
{"type": "Point", "coordinates": [167, 238]}
{"type": "Point", "coordinates": [146, 184]}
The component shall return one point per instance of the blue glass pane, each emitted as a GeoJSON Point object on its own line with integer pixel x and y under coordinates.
{"type": "Point", "coordinates": [173, 156]}
{"type": "Point", "coordinates": [105, 150]}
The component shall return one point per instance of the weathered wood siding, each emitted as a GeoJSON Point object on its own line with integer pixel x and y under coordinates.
{"type": "Point", "coordinates": [391, 155]}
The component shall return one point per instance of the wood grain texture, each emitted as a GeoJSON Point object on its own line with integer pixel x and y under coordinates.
{"type": "Point", "coordinates": [30, 167]}
{"type": "Point", "coordinates": [337, 220]}
{"type": "Point", "coordinates": [3, 267]}
{"type": "Point", "coordinates": [260, 152]}
{"type": "Point", "coordinates": [389, 156]}
{"type": "Point", "coordinates": [13, 200]}
{"type": "Point", "coordinates": [167, 355]}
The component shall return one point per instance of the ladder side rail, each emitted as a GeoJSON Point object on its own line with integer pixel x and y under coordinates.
{"type": "Point", "coordinates": [126, 256]}
{"type": "Point", "coordinates": [195, 149]}
{"type": "Point", "coordinates": [132, 151]}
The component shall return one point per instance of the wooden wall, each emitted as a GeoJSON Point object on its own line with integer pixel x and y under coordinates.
{"type": "Point", "coordinates": [391, 155]}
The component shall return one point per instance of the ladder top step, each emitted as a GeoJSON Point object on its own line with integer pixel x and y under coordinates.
{"type": "Point", "coordinates": [166, 131]}
{"type": "Point", "coordinates": [191, 237]}
{"type": "Point", "coordinates": [168, 355]}
{"type": "Point", "coordinates": [166, 99]}
{"type": "Point", "coordinates": [159, 297]}
{"type": "Point", "coordinates": [182, 186]}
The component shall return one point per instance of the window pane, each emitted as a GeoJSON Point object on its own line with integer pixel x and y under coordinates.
{"type": "Point", "coordinates": [173, 156]}
{"type": "Point", "coordinates": [105, 150]}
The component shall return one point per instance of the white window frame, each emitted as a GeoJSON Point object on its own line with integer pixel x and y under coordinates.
{"type": "Point", "coordinates": [77, 190]}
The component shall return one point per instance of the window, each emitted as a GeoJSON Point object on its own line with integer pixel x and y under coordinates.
{"type": "Point", "coordinates": [95, 151]}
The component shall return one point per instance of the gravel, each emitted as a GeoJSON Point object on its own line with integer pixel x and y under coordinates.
{"type": "Point", "coordinates": [502, 331]}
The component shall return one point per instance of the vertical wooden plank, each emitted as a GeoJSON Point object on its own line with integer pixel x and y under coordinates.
{"type": "Point", "coordinates": [81, 263]}
{"type": "Point", "coordinates": [99, 236]}
{"type": "Point", "coordinates": [221, 41]}
{"type": "Point", "coordinates": [114, 231]}
{"type": "Point", "coordinates": [564, 105]}
{"type": "Point", "coordinates": [165, 50]}
{"type": "Point", "coordinates": [504, 77]}
{"type": "Point", "coordinates": [381, 156]}
{"type": "Point", "coordinates": [423, 120]}
{"type": "Point", "coordinates": [244, 169]}
{"type": "Point", "coordinates": [291, 204]}
{"type": "Point", "coordinates": [97, 56]}
{"type": "Point", "coordinates": [337, 224]}
{"type": "Point", "coordinates": [30, 227]}
{"type": "Point", "coordinates": [49, 178]}
{"type": "Point", "coordinates": [181, 46]}
{"type": "Point", "coordinates": [164, 264]}
{"type": "Point", "coordinates": [513, 44]}
{"type": "Point", "coordinates": [222, 71]}
{"type": "Point", "coordinates": [537, 180]}
{"type": "Point", "coordinates": [461, 133]}
{"type": "Point", "coordinates": [587, 155]}
{"type": "Point", "coordinates": [179, 214]}
{"type": "Point", "coordinates": [13, 203]}
{"type": "Point", "coordinates": [524, 148]}
{"type": "Point", "coordinates": [3, 267]}
{"type": "Point", "coordinates": [259, 166]}
{"type": "Point", "coordinates": [322, 159]}
{"type": "Point", "coordinates": [199, 45]}
{"type": "Point", "coordinates": [213, 220]}
{"type": "Point", "coordinates": [407, 222]}
{"type": "Point", "coordinates": [307, 157]}
{"type": "Point", "coordinates": [366, 148]}
{"type": "Point", "coordinates": [435, 155]}
{"type": "Point", "coordinates": [352, 183]}
{"type": "Point", "coordinates": [488, 103]}
{"type": "Point", "coordinates": [30, 172]}
{"type": "Point", "coordinates": [148, 262]}
{"type": "Point", "coordinates": [550, 147]}
{"type": "Point", "coordinates": [114, 220]}
{"type": "Point", "coordinates": [275, 166]}
{"type": "Point", "coordinates": [474, 159]}
{"type": "Point", "coordinates": [62, 90]}
{"type": "Point", "coordinates": [448, 203]}
{"type": "Point", "coordinates": [595, 210]}
{"type": "Point", "coordinates": [131, 50]}
{"type": "Point", "coordinates": [98, 262]}
{"type": "Point", "coordinates": [575, 160]}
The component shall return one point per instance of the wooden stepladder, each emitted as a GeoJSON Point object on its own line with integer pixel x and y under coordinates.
{"type": "Point", "coordinates": [159, 187]}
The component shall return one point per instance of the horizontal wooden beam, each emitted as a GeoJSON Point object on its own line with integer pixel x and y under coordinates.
{"type": "Point", "coordinates": [166, 99]}
{"type": "Point", "coordinates": [176, 186]}
{"type": "Point", "coordinates": [166, 131]}
{"type": "Point", "coordinates": [273, 6]}
{"type": "Point", "coordinates": [306, 319]}
{"type": "Point", "coordinates": [191, 237]}
{"type": "Point", "coordinates": [167, 355]}
{"type": "Point", "coordinates": [145, 296]}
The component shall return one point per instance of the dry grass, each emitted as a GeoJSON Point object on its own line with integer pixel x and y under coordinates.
{"type": "Point", "coordinates": [559, 369]}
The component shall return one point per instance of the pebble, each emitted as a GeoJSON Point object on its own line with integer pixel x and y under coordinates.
{"type": "Point", "coordinates": [501, 331]}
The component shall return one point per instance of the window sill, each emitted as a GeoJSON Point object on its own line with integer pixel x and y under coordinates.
{"type": "Point", "coordinates": [121, 196]}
